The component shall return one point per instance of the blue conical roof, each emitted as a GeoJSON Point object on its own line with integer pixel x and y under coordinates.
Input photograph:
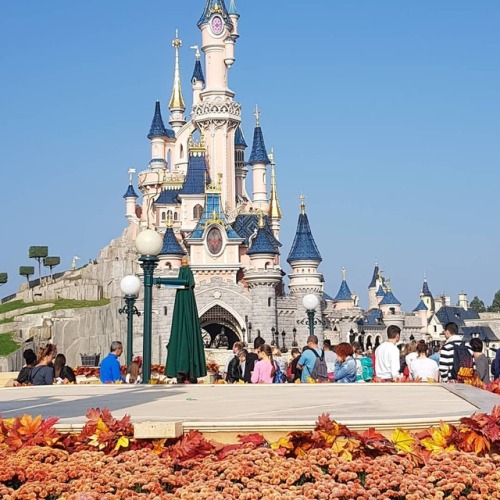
{"type": "Point", "coordinates": [259, 153]}
{"type": "Point", "coordinates": [215, 7]}
{"type": "Point", "coordinates": [421, 307]}
{"type": "Point", "coordinates": [130, 193]}
{"type": "Point", "coordinates": [239, 138]}
{"type": "Point", "coordinates": [232, 8]}
{"type": "Point", "coordinates": [425, 289]}
{"type": "Point", "coordinates": [389, 299]}
{"type": "Point", "coordinates": [263, 243]}
{"type": "Point", "coordinates": [304, 246]}
{"type": "Point", "coordinates": [373, 282]}
{"type": "Point", "coordinates": [198, 73]}
{"type": "Point", "coordinates": [170, 244]}
{"type": "Point", "coordinates": [157, 127]}
{"type": "Point", "coordinates": [344, 293]}
{"type": "Point", "coordinates": [380, 292]}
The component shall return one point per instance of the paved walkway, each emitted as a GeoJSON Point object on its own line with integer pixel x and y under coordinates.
{"type": "Point", "coordinates": [246, 408]}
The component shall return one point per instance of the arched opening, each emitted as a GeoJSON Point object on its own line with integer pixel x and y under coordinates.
{"type": "Point", "coordinates": [197, 212]}
{"type": "Point", "coordinates": [218, 322]}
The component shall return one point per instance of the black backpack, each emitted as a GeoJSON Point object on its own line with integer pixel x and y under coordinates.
{"type": "Point", "coordinates": [463, 363]}
{"type": "Point", "coordinates": [320, 370]}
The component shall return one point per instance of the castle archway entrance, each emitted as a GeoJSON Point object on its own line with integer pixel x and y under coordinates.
{"type": "Point", "coordinates": [222, 327]}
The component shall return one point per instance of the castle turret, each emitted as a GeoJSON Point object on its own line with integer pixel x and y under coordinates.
{"type": "Point", "coordinates": [259, 161]}
{"type": "Point", "coordinates": [274, 205]}
{"type": "Point", "coordinates": [159, 135]}
{"type": "Point", "coordinates": [241, 168]}
{"type": "Point", "coordinates": [391, 309]}
{"type": "Point", "coordinates": [176, 105]}
{"type": "Point", "coordinates": [427, 297]}
{"type": "Point", "coordinates": [263, 277]}
{"type": "Point", "coordinates": [198, 79]}
{"type": "Point", "coordinates": [421, 311]}
{"type": "Point", "coordinates": [373, 287]}
{"type": "Point", "coordinates": [304, 258]}
{"type": "Point", "coordinates": [130, 197]}
{"type": "Point", "coordinates": [171, 253]}
{"type": "Point", "coordinates": [463, 302]}
{"type": "Point", "coordinates": [216, 104]}
{"type": "Point", "coordinates": [235, 18]}
{"type": "Point", "coordinates": [344, 298]}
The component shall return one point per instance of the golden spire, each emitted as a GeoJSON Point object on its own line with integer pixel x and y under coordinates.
{"type": "Point", "coordinates": [177, 101]}
{"type": "Point", "coordinates": [302, 204]}
{"type": "Point", "coordinates": [169, 223]}
{"type": "Point", "coordinates": [274, 205]}
{"type": "Point", "coordinates": [261, 219]}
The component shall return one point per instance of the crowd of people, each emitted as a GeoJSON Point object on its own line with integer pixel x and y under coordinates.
{"type": "Point", "coordinates": [47, 367]}
{"type": "Point", "coordinates": [265, 364]}
{"type": "Point", "coordinates": [348, 363]}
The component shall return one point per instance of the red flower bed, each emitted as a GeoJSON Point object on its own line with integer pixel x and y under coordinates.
{"type": "Point", "coordinates": [91, 371]}
{"type": "Point", "coordinates": [104, 461]}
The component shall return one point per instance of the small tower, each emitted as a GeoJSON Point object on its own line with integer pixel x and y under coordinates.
{"type": "Point", "coordinates": [259, 161]}
{"type": "Point", "coordinates": [391, 308]}
{"type": "Point", "coordinates": [172, 253]}
{"type": "Point", "coordinates": [197, 80]}
{"type": "Point", "coordinates": [463, 302]}
{"type": "Point", "coordinates": [235, 18]}
{"type": "Point", "coordinates": [159, 135]}
{"type": "Point", "coordinates": [176, 105]}
{"type": "Point", "coordinates": [304, 259]}
{"type": "Point", "coordinates": [422, 311]}
{"type": "Point", "coordinates": [373, 287]}
{"type": "Point", "coordinates": [130, 199]}
{"type": "Point", "coordinates": [263, 277]}
{"type": "Point", "coordinates": [427, 298]}
{"type": "Point", "coordinates": [344, 298]}
{"type": "Point", "coordinates": [274, 205]}
{"type": "Point", "coordinates": [240, 166]}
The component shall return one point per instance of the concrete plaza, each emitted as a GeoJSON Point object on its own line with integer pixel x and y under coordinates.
{"type": "Point", "coordinates": [224, 411]}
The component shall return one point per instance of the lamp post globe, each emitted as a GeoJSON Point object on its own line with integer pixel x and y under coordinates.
{"type": "Point", "coordinates": [149, 242]}
{"type": "Point", "coordinates": [310, 302]}
{"type": "Point", "coordinates": [130, 285]}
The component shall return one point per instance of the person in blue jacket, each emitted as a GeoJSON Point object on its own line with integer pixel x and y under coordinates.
{"type": "Point", "coordinates": [110, 372]}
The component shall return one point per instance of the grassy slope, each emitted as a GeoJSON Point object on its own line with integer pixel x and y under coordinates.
{"type": "Point", "coordinates": [7, 345]}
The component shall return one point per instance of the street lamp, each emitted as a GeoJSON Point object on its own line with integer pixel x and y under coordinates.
{"type": "Point", "coordinates": [273, 341]}
{"type": "Point", "coordinates": [310, 303]}
{"type": "Point", "coordinates": [283, 335]}
{"type": "Point", "coordinates": [130, 286]}
{"type": "Point", "coordinates": [294, 343]}
{"type": "Point", "coordinates": [149, 244]}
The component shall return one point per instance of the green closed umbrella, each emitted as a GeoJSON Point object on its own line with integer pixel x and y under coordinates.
{"type": "Point", "coordinates": [186, 354]}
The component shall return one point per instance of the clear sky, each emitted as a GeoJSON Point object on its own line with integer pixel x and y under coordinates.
{"type": "Point", "coordinates": [385, 114]}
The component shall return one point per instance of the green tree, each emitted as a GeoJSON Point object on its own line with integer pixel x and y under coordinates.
{"type": "Point", "coordinates": [495, 305]}
{"type": "Point", "coordinates": [27, 271]}
{"type": "Point", "coordinates": [476, 304]}
{"type": "Point", "coordinates": [51, 262]}
{"type": "Point", "coordinates": [3, 278]}
{"type": "Point", "coordinates": [38, 253]}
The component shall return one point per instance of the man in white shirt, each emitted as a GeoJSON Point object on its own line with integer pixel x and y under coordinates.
{"type": "Point", "coordinates": [387, 362]}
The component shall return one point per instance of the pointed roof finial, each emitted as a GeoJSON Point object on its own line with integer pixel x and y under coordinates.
{"type": "Point", "coordinates": [197, 53]}
{"type": "Point", "coordinates": [261, 219]}
{"type": "Point", "coordinates": [170, 220]}
{"type": "Point", "coordinates": [274, 206]}
{"type": "Point", "coordinates": [256, 113]}
{"type": "Point", "coordinates": [131, 172]}
{"type": "Point", "coordinates": [176, 100]}
{"type": "Point", "coordinates": [302, 204]}
{"type": "Point", "coordinates": [344, 273]}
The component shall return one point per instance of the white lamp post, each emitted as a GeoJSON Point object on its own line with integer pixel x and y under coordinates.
{"type": "Point", "coordinates": [310, 303]}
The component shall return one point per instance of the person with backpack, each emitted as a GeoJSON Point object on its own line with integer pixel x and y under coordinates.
{"type": "Point", "coordinates": [312, 363]}
{"type": "Point", "coordinates": [450, 353]}
{"type": "Point", "coordinates": [265, 369]}
{"type": "Point", "coordinates": [345, 366]}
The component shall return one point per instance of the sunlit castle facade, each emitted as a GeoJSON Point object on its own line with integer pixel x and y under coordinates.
{"type": "Point", "coordinates": [194, 192]}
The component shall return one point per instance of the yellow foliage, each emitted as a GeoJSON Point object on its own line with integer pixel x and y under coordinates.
{"type": "Point", "coordinates": [122, 443]}
{"type": "Point", "coordinates": [403, 440]}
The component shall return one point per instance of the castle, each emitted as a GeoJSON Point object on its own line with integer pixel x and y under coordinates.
{"type": "Point", "coordinates": [194, 192]}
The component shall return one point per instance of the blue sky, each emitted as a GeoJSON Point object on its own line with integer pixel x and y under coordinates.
{"type": "Point", "coordinates": [385, 115]}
